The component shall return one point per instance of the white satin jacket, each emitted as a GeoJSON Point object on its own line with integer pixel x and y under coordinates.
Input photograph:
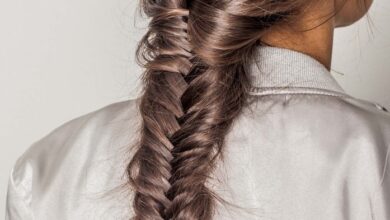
{"type": "Point", "coordinates": [302, 150]}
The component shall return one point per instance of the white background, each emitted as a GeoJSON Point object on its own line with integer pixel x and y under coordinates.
{"type": "Point", "coordinates": [61, 59]}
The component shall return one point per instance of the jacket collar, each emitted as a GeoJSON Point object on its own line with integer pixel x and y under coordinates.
{"type": "Point", "coordinates": [280, 69]}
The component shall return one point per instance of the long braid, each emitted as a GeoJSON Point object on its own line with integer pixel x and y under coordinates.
{"type": "Point", "coordinates": [167, 60]}
{"type": "Point", "coordinates": [196, 53]}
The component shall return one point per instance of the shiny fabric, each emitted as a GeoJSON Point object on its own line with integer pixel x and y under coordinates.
{"type": "Point", "coordinates": [302, 150]}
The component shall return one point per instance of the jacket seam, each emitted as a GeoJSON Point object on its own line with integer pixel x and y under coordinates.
{"type": "Point", "coordinates": [296, 90]}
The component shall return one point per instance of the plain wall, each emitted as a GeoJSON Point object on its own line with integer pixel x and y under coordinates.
{"type": "Point", "coordinates": [61, 59]}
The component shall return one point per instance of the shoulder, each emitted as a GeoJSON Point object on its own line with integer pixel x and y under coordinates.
{"type": "Point", "coordinates": [337, 108]}
{"type": "Point", "coordinates": [359, 118]}
{"type": "Point", "coordinates": [372, 113]}
{"type": "Point", "coordinates": [366, 126]}
{"type": "Point", "coordinates": [343, 122]}
{"type": "Point", "coordinates": [77, 141]}
{"type": "Point", "coordinates": [368, 123]}
{"type": "Point", "coordinates": [348, 131]}
{"type": "Point", "coordinates": [101, 120]}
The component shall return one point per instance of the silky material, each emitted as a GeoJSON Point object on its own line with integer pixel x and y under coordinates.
{"type": "Point", "coordinates": [302, 150]}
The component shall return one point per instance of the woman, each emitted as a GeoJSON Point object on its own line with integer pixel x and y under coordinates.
{"type": "Point", "coordinates": [240, 118]}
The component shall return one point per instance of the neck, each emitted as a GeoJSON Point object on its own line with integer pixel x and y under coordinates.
{"type": "Point", "coordinates": [308, 35]}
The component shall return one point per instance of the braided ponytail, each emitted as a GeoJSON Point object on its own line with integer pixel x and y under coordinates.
{"type": "Point", "coordinates": [195, 54]}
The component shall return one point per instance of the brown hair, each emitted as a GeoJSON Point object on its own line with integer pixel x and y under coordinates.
{"type": "Point", "coordinates": [195, 54]}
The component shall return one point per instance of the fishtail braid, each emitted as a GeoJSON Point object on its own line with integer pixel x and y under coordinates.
{"type": "Point", "coordinates": [196, 55]}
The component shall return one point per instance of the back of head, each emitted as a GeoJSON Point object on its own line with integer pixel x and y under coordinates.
{"type": "Point", "coordinates": [196, 56]}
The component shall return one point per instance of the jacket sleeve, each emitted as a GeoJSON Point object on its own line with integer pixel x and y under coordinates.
{"type": "Point", "coordinates": [18, 203]}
